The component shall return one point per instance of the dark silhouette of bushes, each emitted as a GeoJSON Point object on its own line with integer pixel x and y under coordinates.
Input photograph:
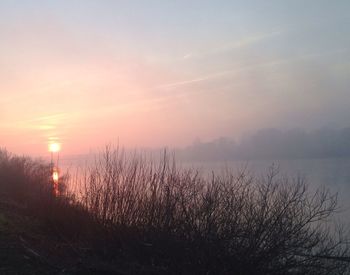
{"type": "Point", "coordinates": [130, 209]}
{"type": "Point", "coordinates": [29, 182]}
{"type": "Point", "coordinates": [225, 224]}
{"type": "Point", "coordinates": [24, 178]}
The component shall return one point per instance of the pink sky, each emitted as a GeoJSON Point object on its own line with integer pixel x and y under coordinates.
{"type": "Point", "coordinates": [86, 74]}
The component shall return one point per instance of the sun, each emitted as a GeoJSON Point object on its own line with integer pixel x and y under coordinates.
{"type": "Point", "coordinates": [54, 147]}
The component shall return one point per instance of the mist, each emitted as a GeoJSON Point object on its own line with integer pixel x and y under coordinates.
{"type": "Point", "coordinates": [272, 144]}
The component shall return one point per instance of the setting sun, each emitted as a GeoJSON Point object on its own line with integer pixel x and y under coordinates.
{"type": "Point", "coordinates": [54, 147]}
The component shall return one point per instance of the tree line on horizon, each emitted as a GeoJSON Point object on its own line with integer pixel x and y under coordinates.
{"type": "Point", "coordinates": [271, 143]}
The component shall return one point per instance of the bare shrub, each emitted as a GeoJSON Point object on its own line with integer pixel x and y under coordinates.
{"type": "Point", "coordinates": [24, 178]}
{"type": "Point", "coordinates": [131, 208]}
{"type": "Point", "coordinates": [226, 224]}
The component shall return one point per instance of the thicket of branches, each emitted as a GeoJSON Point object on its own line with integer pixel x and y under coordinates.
{"type": "Point", "coordinates": [155, 214]}
{"type": "Point", "coordinates": [229, 223]}
{"type": "Point", "coordinates": [24, 178]}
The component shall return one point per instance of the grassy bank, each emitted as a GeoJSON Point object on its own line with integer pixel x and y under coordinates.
{"type": "Point", "coordinates": [131, 215]}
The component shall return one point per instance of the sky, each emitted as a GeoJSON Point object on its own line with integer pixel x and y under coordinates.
{"type": "Point", "coordinates": [164, 73]}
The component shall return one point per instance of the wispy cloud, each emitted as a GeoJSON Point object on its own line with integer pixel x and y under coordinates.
{"type": "Point", "coordinates": [219, 74]}
{"type": "Point", "coordinates": [44, 124]}
{"type": "Point", "coordinates": [234, 45]}
{"type": "Point", "coordinates": [224, 73]}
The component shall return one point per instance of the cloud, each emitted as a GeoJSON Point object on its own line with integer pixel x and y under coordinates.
{"type": "Point", "coordinates": [220, 74]}
{"type": "Point", "coordinates": [234, 45]}
{"type": "Point", "coordinates": [275, 62]}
